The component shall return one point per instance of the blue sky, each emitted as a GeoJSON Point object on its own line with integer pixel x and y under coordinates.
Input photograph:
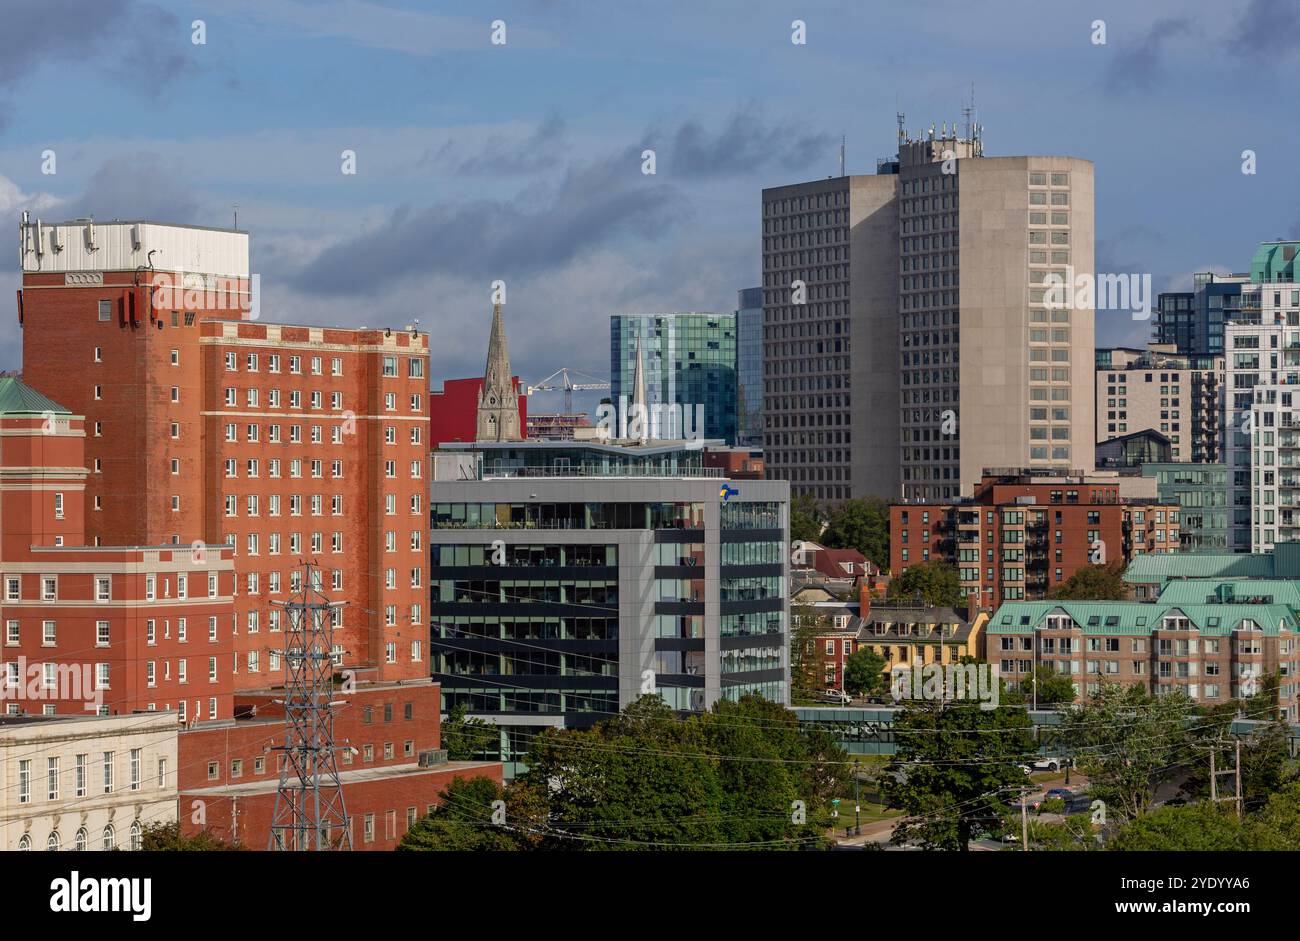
{"type": "Point", "coordinates": [522, 162]}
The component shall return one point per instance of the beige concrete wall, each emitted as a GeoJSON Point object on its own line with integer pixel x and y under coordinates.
{"type": "Point", "coordinates": [995, 378]}
{"type": "Point", "coordinates": [873, 260]}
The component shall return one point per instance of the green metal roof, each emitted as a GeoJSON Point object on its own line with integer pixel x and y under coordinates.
{"type": "Point", "coordinates": [1284, 591]}
{"type": "Point", "coordinates": [1155, 567]}
{"type": "Point", "coordinates": [18, 398]}
{"type": "Point", "coordinates": [1140, 618]}
{"type": "Point", "coordinates": [1274, 262]}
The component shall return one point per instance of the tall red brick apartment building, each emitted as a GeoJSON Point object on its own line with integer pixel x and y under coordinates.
{"type": "Point", "coordinates": [207, 424]}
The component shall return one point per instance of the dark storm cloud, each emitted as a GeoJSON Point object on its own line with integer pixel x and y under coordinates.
{"type": "Point", "coordinates": [744, 144]}
{"type": "Point", "coordinates": [139, 44]}
{"type": "Point", "coordinates": [1267, 27]}
{"type": "Point", "coordinates": [1138, 65]}
{"type": "Point", "coordinates": [594, 204]}
{"type": "Point", "coordinates": [500, 157]}
{"type": "Point", "coordinates": [135, 186]}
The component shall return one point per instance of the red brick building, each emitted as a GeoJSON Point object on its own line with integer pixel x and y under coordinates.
{"type": "Point", "coordinates": [98, 628]}
{"type": "Point", "coordinates": [228, 773]}
{"type": "Point", "coordinates": [454, 411]}
{"type": "Point", "coordinates": [1018, 536]}
{"type": "Point", "coordinates": [205, 424]}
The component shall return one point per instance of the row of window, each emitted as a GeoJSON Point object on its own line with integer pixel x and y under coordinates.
{"type": "Point", "coordinates": [414, 367]}
{"type": "Point", "coordinates": [81, 842]}
{"type": "Point", "coordinates": [49, 587]}
{"type": "Point", "coordinates": [80, 773]}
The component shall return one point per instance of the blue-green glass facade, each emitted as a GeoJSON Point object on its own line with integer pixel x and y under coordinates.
{"type": "Point", "coordinates": [689, 359]}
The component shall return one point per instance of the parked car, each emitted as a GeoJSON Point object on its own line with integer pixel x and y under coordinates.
{"type": "Point", "coordinates": [837, 696]}
{"type": "Point", "coordinates": [1060, 793]}
{"type": "Point", "coordinates": [1048, 764]}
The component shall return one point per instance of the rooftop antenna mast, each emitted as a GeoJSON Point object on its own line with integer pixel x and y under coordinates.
{"type": "Point", "coordinates": [309, 809]}
{"type": "Point", "coordinates": [842, 140]}
{"type": "Point", "coordinates": [902, 134]}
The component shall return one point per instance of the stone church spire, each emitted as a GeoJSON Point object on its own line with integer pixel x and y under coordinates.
{"type": "Point", "coordinates": [498, 402]}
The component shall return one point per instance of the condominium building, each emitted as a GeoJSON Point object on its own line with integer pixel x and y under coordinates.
{"type": "Point", "coordinates": [1022, 533]}
{"type": "Point", "coordinates": [1178, 395]}
{"type": "Point", "coordinates": [877, 288]}
{"type": "Point", "coordinates": [1262, 414]}
{"type": "Point", "coordinates": [572, 578]}
{"type": "Point", "coordinates": [1211, 640]}
{"type": "Point", "coordinates": [1201, 493]}
{"type": "Point", "coordinates": [688, 360]}
{"type": "Point", "coordinates": [1193, 321]}
{"type": "Point", "coordinates": [206, 424]}
{"type": "Point", "coordinates": [749, 367]}
{"type": "Point", "coordinates": [85, 782]}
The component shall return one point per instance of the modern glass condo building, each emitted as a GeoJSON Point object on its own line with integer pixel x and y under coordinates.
{"type": "Point", "coordinates": [749, 364]}
{"type": "Point", "coordinates": [688, 359]}
{"type": "Point", "coordinates": [560, 595]}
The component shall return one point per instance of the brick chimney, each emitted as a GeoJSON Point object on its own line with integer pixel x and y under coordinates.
{"type": "Point", "coordinates": [864, 595]}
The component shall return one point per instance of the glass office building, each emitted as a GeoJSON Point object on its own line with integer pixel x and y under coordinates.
{"type": "Point", "coordinates": [688, 359]}
{"type": "Point", "coordinates": [556, 597]}
{"type": "Point", "coordinates": [749, 365]}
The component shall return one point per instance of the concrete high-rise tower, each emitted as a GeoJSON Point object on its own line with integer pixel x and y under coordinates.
{"type": "Point", "coordinates": [498, 402]}
{"type": "Point", "coordinates": [907, 342]}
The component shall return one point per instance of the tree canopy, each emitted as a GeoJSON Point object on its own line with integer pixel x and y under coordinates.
{"type": "Point", "coordinates": [936, 583]}
{"type": "Point", "coordinates": [1093, 583]}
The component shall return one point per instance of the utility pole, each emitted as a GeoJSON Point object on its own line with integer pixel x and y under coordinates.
{"type": "Point", "coordinates": [857, 802]}
{"type": "Point", "coordinates": [1024, 821]}
{"type": "Point", "coordinates": [309, 802]}
{"type": "Point", "coordinates": [1238, 777]}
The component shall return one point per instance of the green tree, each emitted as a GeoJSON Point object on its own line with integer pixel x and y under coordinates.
{"type": "Point", "coordinates": [807, 519]}
{"type": "Point", "coordinates": [861, 524]}
{"type": "Point", "coordinates": [864, 673]}
{"type": "Point", "coordinates": [807, 677]}
{"type": "Point", "coordinates": [167, 837]}
{"type": "Point", "coordinates": [463, 820]}
{"type": "Point", "coordinates": [953, 771]}
{"type": "Point", "coordinates": [936, 583]}
{"type": "Point", "coordinates": [1123, 740]}
{"type": "Point", "coordinates": [1182, 827]}
{"type": "Point", "coordinates": [1074, 833]}
{"type": "Point", "coordinates": [1093, 583]}
{"type": "Point", "coordinates": [1266, 764]}
{"type": "Point", "coordinates": [465, 738]}
{"type": "Point", "coordinates": [1053, 688]}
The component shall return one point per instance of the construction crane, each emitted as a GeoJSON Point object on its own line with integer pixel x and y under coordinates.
{"type": "Point", "coordinates": [568, 385]}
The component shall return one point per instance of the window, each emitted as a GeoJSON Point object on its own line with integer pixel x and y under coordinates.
{"type": "Point", "coordinates": [135, 768]}
{"type": "Point", "coordinates": [82, 842]}
{"type": "Point", "coordinates": [162, 773]}
{"type": "Point", "coordinates": [52, 778]}
{"type": "Point", "coordinates": [48, 629]}
{"type": "Point", "coordinates": [25, 781]}
{"type": "Point", "coordinates": [110, 837]}
{"type": "Point", "coordinates": [108, 772]}
{"type": "Point", "coordinates": [80, 780]}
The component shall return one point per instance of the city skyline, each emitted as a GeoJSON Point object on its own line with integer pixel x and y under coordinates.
{"type": "Point", "coordinates": [494, 179]}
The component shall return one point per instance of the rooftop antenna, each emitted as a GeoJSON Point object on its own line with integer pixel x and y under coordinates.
{"type": "Point", "coordinates": [236, 208]}
{"type": "Point", "coordinates": [902, 134]}
{"type": "Point", "coordinates": [842, 139]}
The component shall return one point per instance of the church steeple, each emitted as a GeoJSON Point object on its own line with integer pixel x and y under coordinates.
{"type": "Point", "coordinates": [498, 402]}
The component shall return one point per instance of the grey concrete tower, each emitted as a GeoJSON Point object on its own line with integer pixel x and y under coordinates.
{"type": "Point", "coordinates": [498, 402]}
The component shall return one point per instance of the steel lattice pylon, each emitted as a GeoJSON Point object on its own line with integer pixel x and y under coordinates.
{"type": "Point", "coordinates": [309, 809]}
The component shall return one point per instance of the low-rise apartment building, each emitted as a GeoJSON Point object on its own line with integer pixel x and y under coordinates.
{"type": "Point", "coordinates": [1020, 535]}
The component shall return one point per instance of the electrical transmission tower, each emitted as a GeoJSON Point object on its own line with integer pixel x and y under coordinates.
{"type": "Point", "coordinates": [309, 807]}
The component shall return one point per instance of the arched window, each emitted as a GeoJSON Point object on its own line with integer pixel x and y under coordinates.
{"type": "Point", "coordinates": [136, 842]}
{"type": "Point", "coordinates": [52, 842]}
{"type": "Point", "coordinates": [109, 837]}
{"type": "Point", "coordinates": [83, 839]}
{"type": "Point", "coordinates": [25, 842]}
